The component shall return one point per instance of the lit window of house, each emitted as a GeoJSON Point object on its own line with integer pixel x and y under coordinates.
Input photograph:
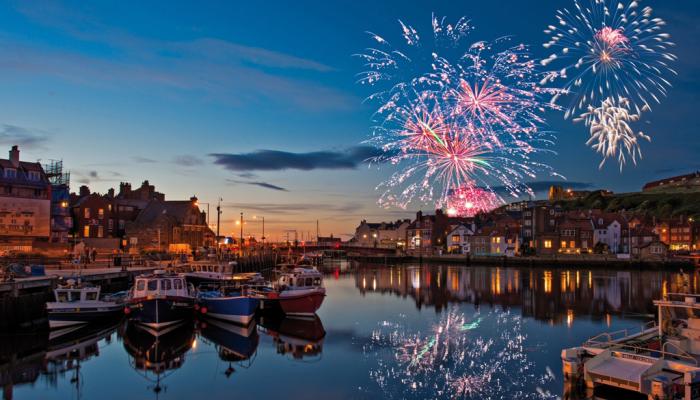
{"type": "Point", "coordinates": [563, 244]}
{"type": "Point", "coordinates": [456, 238]}
{"type": "Point", "coordinates": [86, 213]}
{"type": "Point", "coordinates": [101, 213]}
{"type": "Point", "coordinates": [572, 244]}
{"type": "Point", "coordinates": [10, 173]}
{"type": "Point", "coordinates": [86, 231]}
{"type": "Point", "coordinates": [100, 231]}
{"type": "Point", "coordinates": [547, 244]}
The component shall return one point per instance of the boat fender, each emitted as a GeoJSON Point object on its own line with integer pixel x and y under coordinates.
{"type": "Point", "coordinates": [273, 296]}
{"type": "Point", "coordinates": [203, 310]}
{"type": "Point", "coordinates": [127, 310]}
{"type": "Point", "coordinates": [196, 307]}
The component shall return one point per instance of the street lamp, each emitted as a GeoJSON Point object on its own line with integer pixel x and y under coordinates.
{"type": "Point", "coordinates": [263, 228]}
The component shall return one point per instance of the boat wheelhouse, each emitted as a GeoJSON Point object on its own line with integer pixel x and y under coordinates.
{"type": "Point", "coordinates": [79, 303]}
{"type": "Point", "coordinates": [160, 300]}
{"type": "Point", "coordinates": [661, 360]}
{"type": "Point", "coordinates": [207, 272]}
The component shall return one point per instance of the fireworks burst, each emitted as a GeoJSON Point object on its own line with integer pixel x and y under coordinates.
{"type": "Point", "coordinates": [467, 201]}
{"type": "Point", "coordinates": [452, 361]}
{"type": "Point", "coordinates": [617, 50]}
{"type": "Point", "coordinates": [611, 133]}
{"type": "Point", "coordinates": [454, 116]}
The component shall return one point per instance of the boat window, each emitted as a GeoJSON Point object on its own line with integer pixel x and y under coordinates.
{"type": "Point", "coordinates": [153, 285]}
{"type": "Point", "coordinates": [62, 296]}
{"type": "Point", "coordinates": [178, 284]}
{"type": "Point", "coordinates": [317, 281]}
{"type": "Point", "coordinates": [91, 296]}
{"type": "Point", "coordinates": [140, 284]}
{"type": "Point", "coordinates": [309, 281]}
{"type": "Point", "coordinates": [74, 296]}
{"type": "Point", "coordinates": [300, 281]}
{"type": "Point", "coordinates": [165, 284]}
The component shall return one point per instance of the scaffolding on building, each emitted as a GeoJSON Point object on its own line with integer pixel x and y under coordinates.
{"type": "Point", "coordinates": [54, 172]}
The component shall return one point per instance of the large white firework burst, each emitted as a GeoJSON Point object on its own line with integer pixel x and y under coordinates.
{"type": "Point", "coordinates": [610, 49]}
{"type": "Point", "coordinates": [611, 132]}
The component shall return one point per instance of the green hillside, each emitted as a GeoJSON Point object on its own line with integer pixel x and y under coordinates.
{"type": "Point", "coordinates": [660, 205]}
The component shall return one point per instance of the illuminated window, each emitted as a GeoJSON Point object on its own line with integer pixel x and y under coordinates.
{"type": "Point", "coordinates": [86, 231]}
{"type": "Point", "coordinates": [563, 244]}
{"type": "Point", "coordinates": [572, 244]}
{"type": "Point", "coordinates": [100, 231]}
{"type": "Point", "coordinates": [101, 213]}
{"type": "Point", "coordinates": [86, 213]}
{"type": "Point", "coordinates": [456, 238]}
{"type": "Point", "coordinates": [547, 244]}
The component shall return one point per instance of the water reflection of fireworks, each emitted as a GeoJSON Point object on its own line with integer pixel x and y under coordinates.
{"type": "Point", "coordinates": [453, 361]}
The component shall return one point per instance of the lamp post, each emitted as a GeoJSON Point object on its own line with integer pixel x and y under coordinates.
{"type": "Point", "coordinates": [263, 228]}
{"type": "Point", "coordinates": [241, 233]}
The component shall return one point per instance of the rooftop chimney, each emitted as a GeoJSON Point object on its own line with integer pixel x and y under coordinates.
{"type": "Point", "coordinates": [84, 191]}
{"type": "Point", "coordinates": [14, 156]}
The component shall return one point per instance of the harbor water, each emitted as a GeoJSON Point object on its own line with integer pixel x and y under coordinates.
{"type": "Point", "coordinates": [383, 332]}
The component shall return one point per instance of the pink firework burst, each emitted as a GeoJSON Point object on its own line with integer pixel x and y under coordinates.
{"type": "Point", "coordinates": [612, 37]}
{"type": "Point", "coordinates": [469, 200]}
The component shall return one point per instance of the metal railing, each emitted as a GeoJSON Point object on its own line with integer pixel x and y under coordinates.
{"type": "Point", "coordinates": [615, 336]}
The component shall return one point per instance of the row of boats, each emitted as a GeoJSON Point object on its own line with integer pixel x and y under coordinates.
{"type": "Point", "coordinates": [163, 299]}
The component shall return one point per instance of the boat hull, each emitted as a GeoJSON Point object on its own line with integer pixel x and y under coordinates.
{"type": "Point", "coordinates": [160, 313]}
{"type": "Point", "coordinates": [238, 309]}
{"type": "Point", "coordinates": [72, 316]}
{"type": "Point", "coordinates": [301, 304]}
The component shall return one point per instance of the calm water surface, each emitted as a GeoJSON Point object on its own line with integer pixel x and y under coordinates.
{"type": "Point", "coordinates": [383, 332]}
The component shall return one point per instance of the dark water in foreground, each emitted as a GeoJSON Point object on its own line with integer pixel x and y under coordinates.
{"type": "Point", "coordinates": [382, 333]}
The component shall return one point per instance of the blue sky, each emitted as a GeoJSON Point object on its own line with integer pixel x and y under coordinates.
{"type": "Point", "coordinates": [125, 93]}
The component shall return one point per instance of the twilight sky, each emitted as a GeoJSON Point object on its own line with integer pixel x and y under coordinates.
{"type": "Point", "coordinates": [257, 102]}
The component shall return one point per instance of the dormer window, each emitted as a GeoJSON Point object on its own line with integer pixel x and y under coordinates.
{"type": "Point", "coordinates": [34, 176]}
{"type": "Point", "coordinates": [10, 173]}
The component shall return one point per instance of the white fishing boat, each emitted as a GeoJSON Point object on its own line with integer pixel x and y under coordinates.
{"type": "Point", "coordinates": [661, 360]}
{"type": "Point", "coordinates": [79, 303]}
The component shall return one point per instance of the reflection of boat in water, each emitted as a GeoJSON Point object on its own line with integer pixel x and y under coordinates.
{"type": "Point", "coordinates": [298, 337]}
{"type": "Point", "coordinates": [660, 361]}
{"type": "Point", "coordinates": [67, 351]}
{"type": "Point", "coordinates": [234, 343]}
{"type": "Point", "coordinates": [153, 356]}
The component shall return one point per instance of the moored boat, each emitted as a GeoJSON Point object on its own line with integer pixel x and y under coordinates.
{"type": "Point", "coordinates": [233, 304]}
{"type": "Point", "coordinates": [160, 300]}
{"type": "Point", "coordinates": [297, 291]}
{"type": "Point", "coordinates": [78, 304]}
{"type": "Point", "coordinates": [660, 361]}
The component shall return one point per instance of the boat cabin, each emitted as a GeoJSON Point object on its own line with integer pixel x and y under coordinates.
{"type": "Point", "coordinates": [300, 278]}
{"type": "Point", "coordinates": [160, 284]}
{"type": "Point", "coordinates": [72, 293]}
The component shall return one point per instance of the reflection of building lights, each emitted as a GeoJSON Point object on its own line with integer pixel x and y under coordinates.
{"type": "Point", "coordinates": [608, 319]}
{"type": "Point", "coordinates": [590, 279]}
{"type": "Point", "coordinates": [578, 278]}
{"type": "Point", "coordinates": [194, 344]}
{"type": "Point", "coordinates": [548, 281]}
{"type": "Point", "coordinates": [569, 317]}
{"type": "Point", "coordinates": [374, 283]}
{"type": "Point", "coordinates": [364, 283]}
{"type": "Point", "coordinates": [415, 281]}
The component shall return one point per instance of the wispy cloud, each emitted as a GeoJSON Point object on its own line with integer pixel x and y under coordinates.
{"type": "Point", "coordinates": [297, 208]}
{"type": "Point", "coordinates": [260, 184]}
{"type": "Point", "coordinates": [143, 160]}
{"type": "Point", "coordinates": [11, 135]}
{"type": "Point", "coordinates": [275, 160]}
{"type": "Point", "coordinates": [217, 68]}
{"type": "Point", "coordinates": [187, 161]}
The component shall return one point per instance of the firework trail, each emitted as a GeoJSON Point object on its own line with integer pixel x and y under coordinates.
{"type": "Point", "coordinates": [611, 133]}
{"type": "Point", "coordinates": [453, 115]}
{"type": "Point", "coordinates": [453, 361]}
{"type": "Point", "coordinates": [617, 50]}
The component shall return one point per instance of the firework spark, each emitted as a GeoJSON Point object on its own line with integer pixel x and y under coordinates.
{"type": "Point", "coordinates": [611, 133]}
{"type": "Point", "coordinates": [452, 116]}
{"type": "Point", "coordinates": [617, 50]}
{"type": "Point", "coordinates": [467, 201]}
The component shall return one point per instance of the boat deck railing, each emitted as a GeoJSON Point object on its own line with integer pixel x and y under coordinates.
{"type": "Point", "coordinates": [611, 338]}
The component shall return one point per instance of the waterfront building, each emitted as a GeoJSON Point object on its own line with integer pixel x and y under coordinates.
{"type": "Point", "coordinates": [688, 182]}
{"type": "Point", "coordinates": [91, 215]}
{"type": "Point", "coordinates": [61, 220]}
{"type": "Point", "coordinates": [175, 226]}
{"type": "Point", "coordinates": [607, 230]}
{"type": "Point", "coordinates": [458, 238]}
{"type": "Point", "coordinates": [25, 203]}
{"type": "Point", "coordinates": [382, 234]}
{"type": "Point", "coordinates": [328, 241]}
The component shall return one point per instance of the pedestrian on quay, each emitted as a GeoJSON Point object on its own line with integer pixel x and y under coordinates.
{"type": "Point", "coordinates": [94, 254]}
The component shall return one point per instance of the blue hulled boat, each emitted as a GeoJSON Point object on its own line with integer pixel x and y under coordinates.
{"type": "Point", "coordinates": [233, 304]}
